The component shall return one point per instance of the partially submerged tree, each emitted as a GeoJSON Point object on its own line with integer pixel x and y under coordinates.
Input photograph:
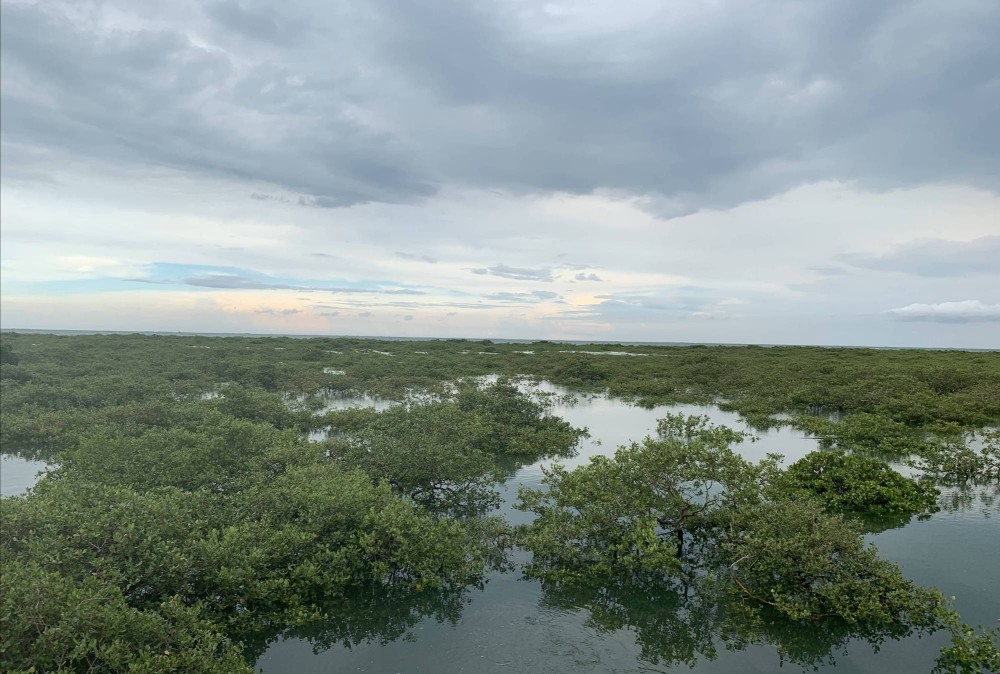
{"type": "Point", "coordinates": [806, 564]}
{"type": "Point", "coordinates": [448, 454]}
{"type": "Point", "coordinates": [775, 550]}
{"type": "Point", "coordinates": [855, 484]}
{"type": "Point", "coordinates": [965, 461]}
{"type": "Point", "coordinates": [636, 511]}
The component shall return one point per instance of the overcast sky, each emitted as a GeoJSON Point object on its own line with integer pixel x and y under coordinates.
{"type": "Point", "coordinates": [822, 172]}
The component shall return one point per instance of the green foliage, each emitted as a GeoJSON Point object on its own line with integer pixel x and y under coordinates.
{"type": "Point", "coordinates": [970, 652]}
{"type": "Point", "coordinates": [216, 453]}
{"type": "Point", "coordinates": [633, 512]}
{"type": "Point", "coordinates": [960, 463]}
{"type": "Point", "coordinates": [272, 552]}
{"type": "Point", "coordinates": [912, 387]}
{"type": "Point", "coordinates": [51, 623]}
{"type": "Point", "coordinates": [450, 453]}
{"type": "Point", "coordinates": [582, 372]}
{"type": "Point", "coordinates": [864, 432]}
{"type": "Point", "coordinates": [511, 423]}
{"type": "Point", "coordinates": [686, 508]}
{"type": "Point", "coordinates": [795, 558]}
{"type": "Point", "coordinates": [7, 355]}
{"type": "Point", "coordinates": [855, 484]}
{"type": "Point", "coordinates": [256, 404]}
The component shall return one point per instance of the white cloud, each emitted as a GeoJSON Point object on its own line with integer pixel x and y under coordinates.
{"type": "Point", "coordinates": [966, 311]}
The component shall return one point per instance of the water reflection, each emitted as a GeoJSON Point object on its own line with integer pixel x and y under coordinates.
{"type": "Point", "coordinates": [18, 474]}
{"type": "Point", "coordinates": [976, 500]}
{"type": "Point", "coordinates": [371, 616]}
{"type": "Point", "coordinates": [670, 625]}
{"type": "Point", "coordinates": [513, 624]}
{"type": "Point", "coordinates": [688, 625]}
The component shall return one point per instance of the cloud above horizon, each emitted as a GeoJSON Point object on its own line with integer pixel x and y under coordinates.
{"type": "Point", "coordinates": [936, 257]}
{"type": "Point", "coordinates": [821, 172]}
{"type": "Point", "coordinates": [966, 311]}
{"type": "Point", "coordinates": [347, 103]}
{"type": "Point", "coordinates": [516, 273]}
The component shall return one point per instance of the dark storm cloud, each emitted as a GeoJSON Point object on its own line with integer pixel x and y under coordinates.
{"type": "Point", "coordinates": [937, 258]}
{"type": "Point", "coordinates": [159, 97]}
{"type": "Point", "coordinates": [387, 101]}
{"type": "Point", "coordinates": [516, 273]}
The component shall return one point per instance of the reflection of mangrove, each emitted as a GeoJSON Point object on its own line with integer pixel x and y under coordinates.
{"type": "Point", "coordinates": [670, 626]}
{"type": "Point", "coordinates": [970, 460]}
{"type": "Point", "coordinates": [983, 498]}
{"type": "Point", "coordinates": [877, 524]}
{"type": "Point", "coordinates": [681, 625]}
{"type": "Point", "coordinates": [374, 615]}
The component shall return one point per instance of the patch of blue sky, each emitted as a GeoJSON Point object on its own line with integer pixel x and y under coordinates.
{"type": "Point", "coordinates": [163, 275]}
{"type": "Point", "coordinates": [217, 276]}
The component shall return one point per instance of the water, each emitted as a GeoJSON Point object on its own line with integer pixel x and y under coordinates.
{"type": "Point", "coordinates": [613, 423]}
{"type": "Point", "coordinates": [17, 474]}
{"type": "Point", "coordinates": [515, 625]}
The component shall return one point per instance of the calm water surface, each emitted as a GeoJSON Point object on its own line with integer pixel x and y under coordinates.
{"type": "Point", "coordinates": [17, 475]}
{"type": "Point", "coordinates": [511, 625]}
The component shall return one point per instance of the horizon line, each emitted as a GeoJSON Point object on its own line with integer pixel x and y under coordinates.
{"type": "Point", "coordinates": [514, 340]}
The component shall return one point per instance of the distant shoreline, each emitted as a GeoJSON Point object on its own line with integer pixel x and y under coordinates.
{"type": "Point", "coordinates": [496, 340]}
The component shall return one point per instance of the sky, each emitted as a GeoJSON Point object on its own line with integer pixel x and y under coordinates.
{"type": "Point", "coordinates": [822, 172]}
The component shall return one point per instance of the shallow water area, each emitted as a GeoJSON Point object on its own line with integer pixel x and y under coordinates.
{"type": "Point", "coordinates": [512, 624]}
{"type": "Point", "coordinates": [344, 401]}
{"type": "Point", "coordinates": [612, 423]}
{"type": "Point", "coordinates": [18, 474]}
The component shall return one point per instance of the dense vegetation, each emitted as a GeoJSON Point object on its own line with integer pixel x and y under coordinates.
{"type": "Point", "coordinates": [685, 509]}
{"type": "Point", "coordinates": [190, 518]}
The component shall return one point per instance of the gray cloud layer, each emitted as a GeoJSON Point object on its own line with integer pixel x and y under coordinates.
{"type": "Point", "coordinates": [344, 103]}
{"type": "Point", "coordinates": [413, 257]}
{"type": "Point", "coordinates": [533, 296]}
{"type": "Point", "coordinates": [516, 273]}
{"type": "Point", "coordinates": [937, 258]}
